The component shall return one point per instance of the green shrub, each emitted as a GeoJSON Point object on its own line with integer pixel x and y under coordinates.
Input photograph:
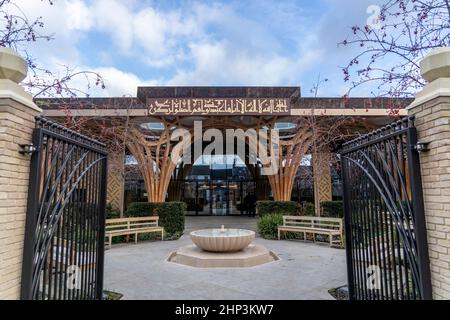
{"type": "Point", "coordinates": [141, 209]}
{"type": "Point", "coordinates": [171, 216]}
{"type": "Point", "coordinates": [332, 209]}
{"type": "Point", "coordinates": [307, 209]}
{"type": "Point", "coordinates": [268, 225]}
{"type": "Point", "coordinates": [112, 212]}
{"type": "Point", "coordinates": [285, 208]}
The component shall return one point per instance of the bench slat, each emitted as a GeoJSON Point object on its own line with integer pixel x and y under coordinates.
{"type": "Point", "coordinates": [135, 219]}
{"type": "Point", "coordinates": [132, 231]}
{"type": "Point", "coordinates": [312, 218]}
{"type": "Point", "coordinates": [313, 225]}
{"type": "Point", "coordinates": [143, 224]}
{"type": "Point", "coordinates": [130, 226]}
{"type": "Point", "coordinates": [317, 230]}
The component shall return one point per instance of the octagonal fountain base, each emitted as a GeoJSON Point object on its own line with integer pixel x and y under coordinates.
{"type": "Point", "coordinates": [251, 256]}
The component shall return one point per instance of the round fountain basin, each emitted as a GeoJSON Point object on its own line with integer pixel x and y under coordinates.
{"type": "Point", "coordinates": [218, 240]}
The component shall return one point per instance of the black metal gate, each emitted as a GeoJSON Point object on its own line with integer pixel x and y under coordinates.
{"type": "Point", "coordinates": [387, 254]}
{"type": "Point", "coordinates": [64, 239]}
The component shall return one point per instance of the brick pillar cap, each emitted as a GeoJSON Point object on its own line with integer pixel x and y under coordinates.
{"type": "Point", "coordinates": [436, 64]}
{"type": "Point", "coordinates": [13, 69]}
{"type": "Point", "coordinates": [12, 66]}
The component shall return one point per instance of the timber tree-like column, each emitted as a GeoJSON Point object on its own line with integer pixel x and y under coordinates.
{"type": "Point", "coordinates": [153, 155]}
{"type": "Point", "coordinates": [322, 179]}
{"type": "Point", "coordinates": [291, 153]}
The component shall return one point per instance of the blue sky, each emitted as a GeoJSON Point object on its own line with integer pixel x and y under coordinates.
{"type": "Point", "coordinates": [221, 43]}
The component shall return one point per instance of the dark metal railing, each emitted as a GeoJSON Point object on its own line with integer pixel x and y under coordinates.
{"type": "Point", "coordinates": [64, 239]}
{"type": "Point", "coordinates": [387, 254]}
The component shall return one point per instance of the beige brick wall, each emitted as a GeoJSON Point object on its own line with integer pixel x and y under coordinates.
{"type": "Point", "coordinates": [16, 126]}
{"type": "Point", "coordinates": [433, 125]}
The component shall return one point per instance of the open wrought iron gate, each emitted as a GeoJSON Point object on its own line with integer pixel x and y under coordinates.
{"type": "Point", "coordinates": [387, 254]}
{"type": "Point", "coordinates": [64, 239]}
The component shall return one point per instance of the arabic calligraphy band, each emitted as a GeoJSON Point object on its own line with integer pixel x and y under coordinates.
{"type": "Point", "coordinates": [218, 106]}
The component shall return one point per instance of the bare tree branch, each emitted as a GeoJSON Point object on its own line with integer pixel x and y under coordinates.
{"type": "Point", "coordinates": [18, 32]}
{"type": "Point", "coordinates": [391, 50]}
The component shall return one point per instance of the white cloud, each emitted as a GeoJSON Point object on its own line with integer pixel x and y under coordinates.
{"type": "Point", "coordinates": [79, 17]}
{"type": "Point", "coordinates": [159, 44]}
{"type": "Point", "coordinates": [65, 21]}
{"type": "Point", "coordinates": [224, 63]}
{"type": "Point", "coordinates": [120, 83]}
{"type": "Point", "coordinates": [333, 27]}
{"type": "Point", "coordinates": [197, 43]}
{"type": "Point", "coordinates": [115, 19]}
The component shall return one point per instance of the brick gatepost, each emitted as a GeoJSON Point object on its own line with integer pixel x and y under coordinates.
{"type": "Point", "coordinates": [432, 111]}
{"type": "Point", "coordinates": [17, 113]}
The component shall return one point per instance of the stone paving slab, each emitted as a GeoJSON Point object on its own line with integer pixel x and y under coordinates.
{"type": "Point", "coordinates": [305, 272]}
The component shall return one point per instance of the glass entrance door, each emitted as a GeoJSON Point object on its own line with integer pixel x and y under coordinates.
{"type": "Point", "coordinates": [217, 197]}
{"type": "Point", "coordinates": [219, 201]}
{"type": "Point", "coordinates": [235, 198]}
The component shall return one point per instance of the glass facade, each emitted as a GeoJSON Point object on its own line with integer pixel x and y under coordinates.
{"type": "Point", "coordinates": [216, 197]}
{"type": "Point", "coordinates": [221, 189]}
{"type": "Point", "coordinates": [217, 189]}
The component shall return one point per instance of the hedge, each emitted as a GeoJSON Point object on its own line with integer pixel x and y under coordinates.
{"type": "Point", "coordinates": [268, 225]}
{"type": "Point", "coordinates": [141, 209]}
{"type": "Point", "coordinates": [307, 209]}
{"type": "Point", "coordinates": [112, 212]}
{"type": "Point", "coordinates": [286, 208]}
{"type": "Point", "coordinates": [171, 215]}
{"type": "Point", "coordinates": [332, 209]}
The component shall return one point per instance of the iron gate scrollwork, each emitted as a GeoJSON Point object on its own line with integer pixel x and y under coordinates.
{"type": "Point", "coordinates": [64, 239]}
{"type": "Point", "coordinates": [387, 254]}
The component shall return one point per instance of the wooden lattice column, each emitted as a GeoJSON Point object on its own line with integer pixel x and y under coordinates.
{"type": "Point", "coordinates": [291, 153]}
{"type": "Point", "coordinates": [116, 181]}
{"type": "Point", "coordinates": [322, 179]}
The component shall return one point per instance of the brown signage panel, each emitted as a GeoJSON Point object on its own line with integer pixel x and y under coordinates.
{"type": "Point", "coordinates": [260, 106]}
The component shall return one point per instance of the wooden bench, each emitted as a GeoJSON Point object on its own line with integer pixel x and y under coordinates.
{"type": "Point", "coordinates": [132, 226]}
{"type": "Point", "coordinates": [332, 227]}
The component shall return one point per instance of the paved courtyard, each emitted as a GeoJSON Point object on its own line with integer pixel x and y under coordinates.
{"type": "Point", "coordinates": [306, 271]}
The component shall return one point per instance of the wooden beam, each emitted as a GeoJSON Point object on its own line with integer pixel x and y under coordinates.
{"type": "Point", "coordinates": [294, 112]}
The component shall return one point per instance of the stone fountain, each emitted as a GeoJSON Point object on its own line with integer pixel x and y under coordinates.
{"type": "Point", "coordinates": [222, 248]}
{"type": "Point", "coordinates": [222, 240]}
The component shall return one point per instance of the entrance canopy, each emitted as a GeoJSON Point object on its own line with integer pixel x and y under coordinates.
{"type": "Point", "coordinates": [226, 101]}
{"type": "Point", "coordinates": [144, 125]}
